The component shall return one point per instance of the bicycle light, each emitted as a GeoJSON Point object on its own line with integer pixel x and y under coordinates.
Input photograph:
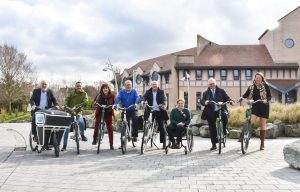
{"type": "Point", "coordinates": [39, 118]}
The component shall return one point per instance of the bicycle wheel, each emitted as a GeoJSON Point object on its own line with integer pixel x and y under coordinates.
{"type": "Point", "coordinates": [154, 132]}
{"type": "Point", "coordinates": [123, 137]}
{"type": "Point", "coordinates": [55, 144]}
{"type": "Point", "coordinates": [190, 140]}
{"type": "Point", "coordinates": [245, 136]}
{"type": "Point", "coordinates": [220, 134]}
{"type": "Point", "coordinates": [100, 136]}
{"type": "Point", "coordinates": [76, 134]}
{"type": "Point", "coordinates": [145, 137]}
{"type": "Point", "coordinates": [33, 144]}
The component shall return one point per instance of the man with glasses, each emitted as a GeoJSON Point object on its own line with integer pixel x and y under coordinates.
{"type": "Point", "coordinates": [210, 112]}
{"type": "Point", "coordinates": [76, 97]}
{"type": "Point", "coordinates": [41, 98]}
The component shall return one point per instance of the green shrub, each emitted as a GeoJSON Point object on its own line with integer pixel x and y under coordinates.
{"type": "Point", "coordinates": [287, 113]}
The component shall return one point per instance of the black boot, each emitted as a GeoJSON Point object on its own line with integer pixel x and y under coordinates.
{"type": "Point", "coordinates": [94, 141]}
{"type": "Point", "coordinates": [83, 138]}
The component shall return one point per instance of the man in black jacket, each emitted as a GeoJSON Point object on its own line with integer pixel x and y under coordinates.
{"type": "Point", "coordinates": [210, 112]}
{"type": "Point", "coordinates": [41, 98]}
{"type": "Point", "coordinates": [155, 97]}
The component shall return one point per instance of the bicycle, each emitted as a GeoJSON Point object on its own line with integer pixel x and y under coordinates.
{"type": "Point", "coordinates": [74, 125]}
{"type": "Point", "coordinates": [102, 125]}
{"type": "Point", "coordinates": [126, 130]}
{"type": "Point", "coordinates": [219, 124]}
{"type": "Point", "coordinates": [150, 130]}
{"type": "Point", "coordinates": [247, 130]}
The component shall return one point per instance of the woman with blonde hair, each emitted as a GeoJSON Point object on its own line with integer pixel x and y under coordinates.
{"type": "Point", "coordinates": [260, 90]}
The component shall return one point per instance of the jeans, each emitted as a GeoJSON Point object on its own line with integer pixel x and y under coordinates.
{"type": "Point", "coordinates": [80, 121]}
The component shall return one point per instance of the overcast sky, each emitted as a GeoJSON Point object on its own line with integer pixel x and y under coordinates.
{"type": "Point", "coordinates": [69, 39]}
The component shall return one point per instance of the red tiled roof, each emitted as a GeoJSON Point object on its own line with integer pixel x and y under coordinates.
{"type": "Point", "coordinates": [238, 56]}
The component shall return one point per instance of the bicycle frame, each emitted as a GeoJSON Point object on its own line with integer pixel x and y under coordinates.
{"type": "Point", "coordinates": [102, 124]}
{"type": "Point", "coordinates": [247, 130]}
{"type": "Point", "coordinates": [219, 124]}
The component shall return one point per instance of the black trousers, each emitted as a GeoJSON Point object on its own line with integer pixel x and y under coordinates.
{"type": "Point", "coordinates": [33, 125]}
{"type": "Point", "coordinates": [212, 125]}
{"type": "Point", "coordinates": [133, 115]}
{"type": "Point", "coordinates": [178, 131]}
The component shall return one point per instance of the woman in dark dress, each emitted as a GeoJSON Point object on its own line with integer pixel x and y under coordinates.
{"type": "Point", "coordinates": [260, 90]}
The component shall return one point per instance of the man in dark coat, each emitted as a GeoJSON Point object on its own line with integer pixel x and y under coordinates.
{"type": "Point", "coordinates": [155, 97]}
{"type": "Point", "coordinates": [41, 98]}
{"type": "Point", "coordinates": [210, 112]}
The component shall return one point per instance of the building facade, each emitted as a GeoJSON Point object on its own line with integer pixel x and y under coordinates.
{"type": "Point", "coordinates": [184, 74]}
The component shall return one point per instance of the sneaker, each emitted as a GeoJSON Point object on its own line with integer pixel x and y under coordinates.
{"type": "Point", "coordinates": [64, 148]}
{"type": "Point", "coordinates": [83, 138]}
{"type": "Point", "coordinates": [112, 147]}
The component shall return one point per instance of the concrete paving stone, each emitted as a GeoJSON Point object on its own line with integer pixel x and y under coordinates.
{"type": "Point", "coordinates": [154, 171]}
{"type": "Point", "coordinates": [285, 186]}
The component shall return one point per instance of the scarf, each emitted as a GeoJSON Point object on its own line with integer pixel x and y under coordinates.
{"type": "Point", "coordinates": [262, 91]}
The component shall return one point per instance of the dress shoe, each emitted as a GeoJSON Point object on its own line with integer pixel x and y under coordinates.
{"type": "Point", "coordinates": [112, 147]}
{"type": "Point", "coordinates": [94, 141]}
{"type": "Point", "coordinates": [214, 147]}
{"type": "Point", "coordinates": [64, 148]}
{"type": "Point", "coordinates": [134, 139]}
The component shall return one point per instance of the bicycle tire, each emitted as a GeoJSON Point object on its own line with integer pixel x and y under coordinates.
{"type": "Point", "coordinates": [100, 136]}
{"type": "Point", "coordinates": [55, 144]}
{"type": "Point", "coordinates": [245, 137]}
{"type": "Point", "coordinates": [219, 133]}
{"type": "Point", "coordinates": [190, 140]}
{"type": "Point", "coordinates": [145, 137]}
{"type": "Point", "coordinates": [31, 142]}
{"type": "Point", "coordinates": [76, 132]}
{"type": "Point", "coordinates": [154, 131]}
{"type": "Point", "coordinates": [123, 137]}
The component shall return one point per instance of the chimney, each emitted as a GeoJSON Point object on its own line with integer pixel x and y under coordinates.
{"type": "Point", "coordinates": [201, 43]}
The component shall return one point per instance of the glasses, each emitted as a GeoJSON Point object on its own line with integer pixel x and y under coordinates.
{"type": "Point", "coordinates": [211, 84]}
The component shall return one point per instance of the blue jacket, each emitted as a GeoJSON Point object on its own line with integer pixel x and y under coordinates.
{"type": "Point", "coordinates": [128, 99]}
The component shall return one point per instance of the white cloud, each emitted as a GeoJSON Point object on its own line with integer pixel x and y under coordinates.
{"type": "Point", "coordinates": [76, 37]}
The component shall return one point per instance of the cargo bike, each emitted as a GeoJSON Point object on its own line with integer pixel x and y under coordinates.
{"type": "Point", "coordinates": [50, 127]}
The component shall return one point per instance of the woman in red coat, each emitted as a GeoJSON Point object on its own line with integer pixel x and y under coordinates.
{"type": "Point", "coordinates": [105, 97]}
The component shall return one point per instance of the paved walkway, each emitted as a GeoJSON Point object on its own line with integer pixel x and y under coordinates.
{"type": "Point", "coordinates": [155, 171]}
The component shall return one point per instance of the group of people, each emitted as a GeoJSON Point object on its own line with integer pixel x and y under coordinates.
{"type": "Point", "coordinates": [180, 117]}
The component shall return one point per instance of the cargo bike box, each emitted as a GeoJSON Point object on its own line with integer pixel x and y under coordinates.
{"type": "Point", "coordinates": [50, 127]}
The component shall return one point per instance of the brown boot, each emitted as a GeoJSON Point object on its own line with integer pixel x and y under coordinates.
{"type": "Point", "coordinates": [262, 135]}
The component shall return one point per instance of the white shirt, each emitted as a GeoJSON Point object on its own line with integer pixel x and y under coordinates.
{"type": "Point", "coordinates": [154, 104]}
{"type": "Point", "coordinates": [44, 100]}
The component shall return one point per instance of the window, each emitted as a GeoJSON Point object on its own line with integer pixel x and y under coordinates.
{"type": "Point", "coordinates": [185, 73]}
{"type": "Point", "coordinates": [289, 43]}
{"type": "Point", "coordinates": [211, 73]}
{"type": "Point", "coordinates": [167, 95]}
{"type": "Point", "coordinates": [167, 78]}
{"type": "Point", "coordinates": [154, 76]}
{"type": "Point", "coordinates": [186, 98]}
{"type": "Point", "coordinates": [223, 74]}
{"type": "Point", "coordinates": [236, 74]}
{"type": "Point", "coordinates": [198, 74]}
{"type": "Point", "coordinates": [248, 74]}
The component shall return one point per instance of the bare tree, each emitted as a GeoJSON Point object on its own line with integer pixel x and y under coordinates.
{"type": "Point", "coordinates": [15, 74]}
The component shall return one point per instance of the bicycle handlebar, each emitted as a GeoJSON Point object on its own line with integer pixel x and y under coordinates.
{"type": "Point", "coordinates": [219, 103]}
{"type": "Point", "coordinates": [125, 108]}
{"type": "Point", "coordinates": [104, 106]}
{"type": "Point", "coordinates": [250, 101]}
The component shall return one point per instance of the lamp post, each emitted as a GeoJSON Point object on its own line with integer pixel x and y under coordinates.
{"type": "Point", "coordinates": [187, 78]}
{"type": "Point", "coordinates": [110, 68]}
